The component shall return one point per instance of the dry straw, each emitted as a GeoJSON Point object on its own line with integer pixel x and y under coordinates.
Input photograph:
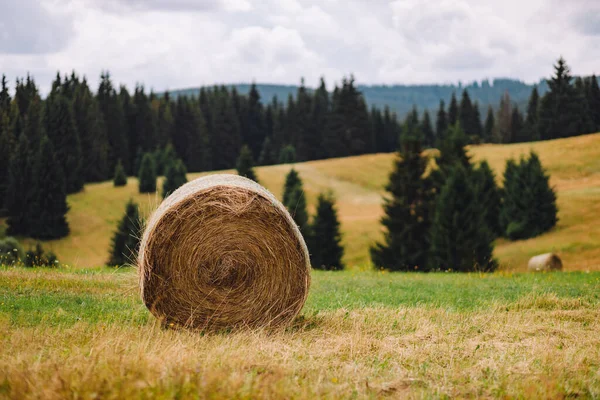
{"type": "Point", "coordinates": [222, 252]}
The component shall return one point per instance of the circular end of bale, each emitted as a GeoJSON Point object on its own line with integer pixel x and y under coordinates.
{"type": "Point", "coordinates": [222, 252]}
{"type": "Point", "coordinates": [545, 263]}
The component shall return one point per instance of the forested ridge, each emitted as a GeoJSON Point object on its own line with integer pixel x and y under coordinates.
{"type": "Point", "coordinates": [90, 132]}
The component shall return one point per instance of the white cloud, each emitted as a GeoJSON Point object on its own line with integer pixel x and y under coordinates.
{"type": "Point", "coordinates": [183, 43]}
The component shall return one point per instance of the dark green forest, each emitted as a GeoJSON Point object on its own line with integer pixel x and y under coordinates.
{"type": "Point", "coordinates": [90, 132]}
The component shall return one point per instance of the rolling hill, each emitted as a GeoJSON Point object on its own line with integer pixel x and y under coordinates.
{"type": "Point", "coordinates": [358, 182]}
{"type": "Point", "coordinates": [402, 98]}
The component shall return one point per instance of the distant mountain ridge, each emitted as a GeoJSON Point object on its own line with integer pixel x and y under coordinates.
{"type": "Point", "coordinates": [402, 98]}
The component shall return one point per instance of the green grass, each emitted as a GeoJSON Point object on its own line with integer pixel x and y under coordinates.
{"type": "Point", "coordinates": [31, 297]}
{"type": "Point", "coordinates": [84, 333]}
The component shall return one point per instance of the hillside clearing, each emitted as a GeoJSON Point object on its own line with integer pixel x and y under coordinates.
{"type": "Point", "coordinates": [358, 182]}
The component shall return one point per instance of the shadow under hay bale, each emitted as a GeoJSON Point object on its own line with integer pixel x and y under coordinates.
{"type": "Point", "coordinates": [222, 252]}
{"type": "Point", "coordinates": [545, 263]}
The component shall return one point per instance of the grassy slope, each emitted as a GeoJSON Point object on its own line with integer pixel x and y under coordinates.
{"type": "Point", "coordinates": [77, 333]}
{"type": "Point", "coordinates": [574, 164]}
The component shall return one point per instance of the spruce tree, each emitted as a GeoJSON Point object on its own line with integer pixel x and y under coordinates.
{"type": "Point", "coordinates": [489, 196]}
{"type": "Point", "coordinates": [292, 179]}
{"type": "Point", "coordinates": [92, 134]}
{"type": "Point", "coordinates": [452, 152]}
{"type": "Point", "coordinates": [7, 145]}
{"type": "Point", "coordinates": [4, 97]}
{"type": "Point", "coordinates": [20, 190]}
{"type": "Point", "coordinates": [114, 125]}
{"type": "Point", "coordinates": [407, 211]}
{"type": "Point", "coordinates": [49, 196]}
{"type": "Point", "coordinates": [594, 102]}
{"type": "Point", "coordinates": [326, 247]}
{"type": "Point", "coordinates": [441, 124]}
{"type": "Point", "coordinates": [519, 133]}
{"type": "Point", "coordinates": [559, 112]}
{"type": "Point", "coordinates": [318, 119]}
{"type": "Point", "coordinates": [147, 174]}
{"type": "Point", "coordinates": [531, 120]}
{"type": "Point", "coordinates": [60, 127]}
{"type": "Point", "coordinates": [254, 133]}
{"type": "Point", "coordinates": [175, 176]}
{"type": "Point", "coordinates": [503, 132]}
{"type": "Point", "coordinates": [297, 208]}
{"type": "Point", "coordinates": [488, 129]}
{"type": "Point", "coordinates": [245, 164]}
{"type": "Point", "coordinates": [460, 238]}
{"type": "Point", "coordinates": [465, 114]}
{"type": "Point", "coordinates": [427, 130]}
{"type": "Point", "coordinates": [267, 156]}
{"type": "Point", "coordinates": [120, 178]}
{"type": "Point", "coordinates": [287, 155]}
{"type": "Point", "coordinates": [529, 202]}
{"type": "Point", "coordinates": [126, 240]}
{"type": "Point", "coordinates": [33, 124]}
{"type": "Point", "coordinates": [453, 111]}
{"type": "Point", "coordinates": [226, 135]}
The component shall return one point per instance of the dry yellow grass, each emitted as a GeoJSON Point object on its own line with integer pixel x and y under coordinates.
{"type": "Point", "coordinates": [538, 348]}
{"type": "Point", "coordinates": [358, 182]}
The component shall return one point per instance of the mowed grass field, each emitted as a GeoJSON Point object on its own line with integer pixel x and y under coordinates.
{"type": "Point", "coordinates": [79, 333]}
{"type": "Point", "coordinates": [82, 332]}
{"type": "Point", "coordinates": [358, 182]}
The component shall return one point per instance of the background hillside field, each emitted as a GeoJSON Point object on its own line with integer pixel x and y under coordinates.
{"type": "Point", "coordinates": [358, 182]}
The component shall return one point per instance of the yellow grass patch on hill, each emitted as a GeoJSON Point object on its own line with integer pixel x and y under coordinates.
{"type": "Point", "coordinates": [358, 183]}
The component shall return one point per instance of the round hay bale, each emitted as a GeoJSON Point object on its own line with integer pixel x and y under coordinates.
{"type": "Point", "coordinates": [222, 252]}
{"type": "Point", "coordinates": [545, 263]}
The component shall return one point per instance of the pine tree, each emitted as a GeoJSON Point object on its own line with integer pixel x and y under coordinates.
{"type": "Point", "coordinates": [287, 155]}
{"type": "Point", "coordinates": [529, 203]}
{"type": "Point", "coordinates": [33, 124]}
{"type": "Point", "coordinates": [120, 178]}
{"type": "Point", "coordinates": [175, 176]}
{"type": "Point", "coordinates": [114, 124]}
{"type": "Point", "coordinates": [60, 127]}
{"type": "Point", "coordinates": [7, 145]}
{"type": "Point", "coordinates": [20, 190]}
{"type": "Point", "coordinates": [427, 130]}
{"type": "Point", "coordinates": [267, 156]}
{"type": "Point", "coordinates": [147, 174]}
{"type": "Point", "coordinates": [441, 124]}
{"type": "Point", "coordinates": [460, 239]}
{"type": "Point", "coordinates": [226, 134]}
{"type": "Point", "coordinates": [503, 132]}
{"type": "Point", "coordinates": [292, 179]}
{"type": "Point", "coordinates": [531, 121]}
{"type": "Point", "coordinates": [489, 197]}
{"type": "Point", "coordinates": [519, 134]}
{"type": "Point", "coordinates": [4, 97]}
{"type": "Point", "coordinates": [453, 112]}
{"type": "Point", "coordinates": [488, 130]}
{"type": "Point", "coordinates": [92, 134]}
{"type": "Point", "coordinates": [49, 197]}
{"type": "Point", "coordinates": [594, 102]}
{"type": "Point", "coordinates": [126, 240]}
{"type": "Point", "coordinates": [245, 164]}
{"type": "Point", "coordinates": [559, 112]}
{"type": "Point", "coordinates": [326, 247]}
{"type": "Point", "coordinates": [318, 120]}
{"type": "Point", "coordinates": [407, 211]}
{"type": "Point", "coordinates": [297, 208]}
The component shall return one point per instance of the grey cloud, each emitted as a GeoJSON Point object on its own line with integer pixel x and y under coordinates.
{"type": "Point", "coordinates": [587, 22]}
{"type": "Point", "coordinates": [462, 59]}
{"type": "Point", "coordinates": [26, 27]}
{"type": "Point", "coordinates": [160, 5]}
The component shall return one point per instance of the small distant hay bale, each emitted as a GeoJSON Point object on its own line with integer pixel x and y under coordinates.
{"type": "Point", "coordinates": [545, 263]}
{"type": "Point", "coordinates": [222, 252]}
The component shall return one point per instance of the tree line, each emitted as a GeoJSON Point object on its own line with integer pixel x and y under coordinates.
{"type": "Point", "coordinates": [73, 136]}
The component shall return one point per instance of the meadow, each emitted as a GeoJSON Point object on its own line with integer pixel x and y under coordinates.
{"type": "Point", "coordinates": [358, 183]}
{"type": "Point", "coordinates": [82, 332]}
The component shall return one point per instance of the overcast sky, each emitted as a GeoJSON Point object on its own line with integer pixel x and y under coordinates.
{"type": "Point", "coordinates": [168, 44]}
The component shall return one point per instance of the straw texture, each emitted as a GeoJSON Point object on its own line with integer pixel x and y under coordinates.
{"type": "Point", "coordinates": [222, 252]}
